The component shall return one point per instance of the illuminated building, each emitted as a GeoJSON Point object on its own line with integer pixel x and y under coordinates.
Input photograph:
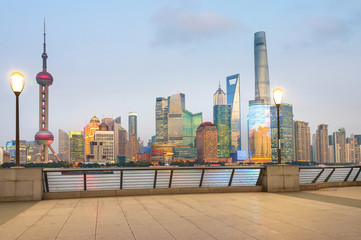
{"type": "Point", "coordinates": [89, 131]}
{"type": "Point", "coordinates": [286, 134]}
{"type": "Point", "coordinates": [76, 146]}
{"type": "Point", "coordinates": [302, 145]}
{"type": "Point", "coordinates": [32, 149]}
{"type": "Point", "coordinates": [184, 153]}
{"type": "Point", "coordinates": [63, 145]}
{"type": "Point", "coordinates": [323, 155]}
{"type": "Point", "coordinates": [259, 132]}
{"type": "Point", "coordinates": [11, 148]}
{"type": "Point", "coordinates": [206, 142]}
{"type": "Point", "coordinates": [132, 124]}
{"type": "Point", "coordinates": [161, 120]}
{"type": "Point", "coordinates": [190, 124]}
{"type": "Point", "coordinates": [107, 138]}
{"type": "Point", "coordinates": [233, 99]}
{"type": "Point", "coordinates": [176, 104]}
{"type": "Point", "coordinates": [162, 153]}
{"type": "Point", "coordinates": [44, 137]}
{"type": "Point", "coordinates": [222, 120]}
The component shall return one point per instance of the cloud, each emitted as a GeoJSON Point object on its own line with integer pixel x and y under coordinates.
{"type": "Point", "coordinates": [328, 28]}
{"type": "Point", "coordinates": [184, 26]}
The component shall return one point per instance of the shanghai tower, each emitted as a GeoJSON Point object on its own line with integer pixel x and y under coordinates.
{"type": "Point", "coordinates": [261, 67]}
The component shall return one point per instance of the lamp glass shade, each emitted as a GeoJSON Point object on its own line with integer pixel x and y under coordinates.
{"type": "Point", "coordinates": [278, 96]}
{"type": "Point", "coordinates": [17, 82]}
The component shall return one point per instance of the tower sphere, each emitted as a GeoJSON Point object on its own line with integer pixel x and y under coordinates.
{"type": "Point", "coordinates": [44, 78]}
{"type": "Point", "coordinates": [44, 137]}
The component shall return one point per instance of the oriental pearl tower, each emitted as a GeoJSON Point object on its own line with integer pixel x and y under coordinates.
{"type": "Point", "coordinates": [44, 137]}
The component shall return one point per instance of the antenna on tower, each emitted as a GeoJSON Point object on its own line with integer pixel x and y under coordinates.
{"type": "Point", "coordinates": [44, 37]}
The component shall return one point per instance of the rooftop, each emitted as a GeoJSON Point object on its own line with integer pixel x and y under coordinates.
{"type": "Point", "coordinates": [331, 213]}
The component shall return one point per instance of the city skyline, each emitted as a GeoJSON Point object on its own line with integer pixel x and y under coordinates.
{"type": "Point", "coordinates": [308, 69]}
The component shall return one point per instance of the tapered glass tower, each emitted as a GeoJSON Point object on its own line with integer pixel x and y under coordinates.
{"type": "Point", "coordinates": [233, 99]}
{"type": "Point", "coordinates": [261, 67]}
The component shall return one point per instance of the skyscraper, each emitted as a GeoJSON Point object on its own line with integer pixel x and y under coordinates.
{"type": "Point", "coordinates": [261, 67]}
{"type": "Point", "coordinates": [302, 147]}
{"type": "Point", "coordinates": [339, 144]}
{"type": "Point", "coordinates": [161, 120]}
{"type": "Point", "coordinates": [63, 145]}
{"type": "Point", "coordinates": [107, 138]}
{"type": "Point", "coordinates": [89, 131]}
{"type": "Point", "coordinates": [323, 155]}
{"type": "Point", "coordinates": [233, 99]}
{"type": "Point", "coordinates": [190, 124]}
{"type": "Point", "coordinates": [176, 104]}
{"type": "Point", "coordinates": [206, 141]}
{"type": "Point", "coordinates": [222, 120]}
{"type": "Point", "coordinates": [286, 134]}
{"type": "Point", "coordinates": [132, 124]}
{"type": "Point", "coordinates": [11, 148]}
{"type": "Point", "coordinates": [76, 146]}
{"type": "Point", "coordinates": [314, 148]}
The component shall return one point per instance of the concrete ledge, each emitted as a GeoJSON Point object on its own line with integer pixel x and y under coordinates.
{"type": "Point", "coordinates": [316, 186]}
{"type": "Point", "coordinates": [150, 191]}
{"type": "Point", "coordinates": [281, 178]}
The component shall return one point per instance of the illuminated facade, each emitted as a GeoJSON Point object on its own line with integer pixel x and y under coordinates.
{"type": "Point", "coordinates": [76, 146]}
{"type": "Point", "coordinates": [286, 134]}
{"type": "Point", "coordinates": [11, 148]}
{"type": "Point", "coordinates": [222, 120]}
{"type": "Point", "coordinates": [107, 138]}
{"type": "Point", "coordinates": [190, 124]}
{"type": "Point", "coordinates": [206, 142]}
{"type": "Point", "coordinates": [176, 104]}
{"type": "Point", "coordinates": [233, 99]}
{"type": "Point", "coordinates": [132, 124]}
{"type": "Point", "coordinates": [261, 67]}
{"type": "Point", "coordinates": [185, 153]}
{"type": "Point", "coordinates": [89, 133]}
{"type": "Point", "coordinates": [161, 120]}
{"type": "Point", "coordinates": [259, 132]}
{"type": "Point", "coordinates": [302, 143]}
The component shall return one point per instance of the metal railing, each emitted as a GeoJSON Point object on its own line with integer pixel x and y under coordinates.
{"type": "Point", "coordinates": [330, 174]}
{"type": "Point", "coordinates": [80, 179]}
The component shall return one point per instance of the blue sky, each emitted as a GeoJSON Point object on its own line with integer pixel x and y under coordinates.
{"type": "Point", "coordinates": [109, 58]}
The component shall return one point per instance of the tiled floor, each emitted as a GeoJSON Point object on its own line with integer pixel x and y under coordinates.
{"type": "Point", "coordinates": [333, 213]}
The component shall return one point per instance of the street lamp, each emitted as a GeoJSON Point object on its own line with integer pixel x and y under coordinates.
{"type": "Point", "coordinates": [277, 97]}
{"type": "Point", "coordinates": [17, 82]}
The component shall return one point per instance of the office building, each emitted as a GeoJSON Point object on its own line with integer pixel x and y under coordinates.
{"type": "Point", "coordinates": [107, 138]}
{"type": "Point", "coordinates": [262, 85]}
{"type": "Point", "coordinates": [89, 131]}
{"type": "Point", "coordinates": [176, 105]}
{"type": "Point", "coordinates": [132, 147]}
{"type": "Point", "coordinates": [234, 100]}
{"type": "Point", "coordinates": [302, 145]}
{"type": "Point", "coordinates": [286, 133]}
{"type": "Point", "coordinates": [11, 148]}
{"type": "Point", "coordinates": [63, 145]}
{"type": "Point", "coordinates": [220, 97]}
{"type": "Point", "coordinates": [161, 120]}
{"type": "Point", "coordinates": [184, 153]}
{"type": "Point", "coordinates": [96, 152]}
{"type": "Point", "coordinates": [76, 146]}
{"type": "Point", "coordinates": [206, 142]}
{"type": "Point", "coordinates": [323, 155]}
{"type": "Point", "coordinates": [32, 151]}
{"type": "Point", "coordinates": [339, 144]}
{"type": "Point", "coordinates": [132, 124]}
{"type": "Point", "coordinates": [190, 124]}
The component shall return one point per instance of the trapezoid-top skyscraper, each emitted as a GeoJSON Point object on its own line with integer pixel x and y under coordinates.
{"type": "Point", "coordinates": [44, 137]}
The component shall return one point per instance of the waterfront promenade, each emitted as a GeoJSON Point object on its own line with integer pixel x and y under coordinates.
{"type": "Point", "coordinates": [331, 213]}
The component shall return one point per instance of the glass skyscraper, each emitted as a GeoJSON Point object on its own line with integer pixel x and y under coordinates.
{"type": "Point", "coordinates": [161, 120]}
{"type": "Point", "coordinates": [222, 120]}
{"type": "Point", "coordinates": [233, 99]}
{"type": "Point", "coordinates": [11, 148]}
{"type": "Point", "coordinates": [286, 134]}
{"type": "Point", "coordinates": [176, 104]}
{"type": "Point", "coordinates": [261, 67]}
{"type": "Point", "coordinates": [132, 124]}
{"type": "Point", "coordinates": [76, 146]}
{"type": "Point", "coordinates": [190, 124]}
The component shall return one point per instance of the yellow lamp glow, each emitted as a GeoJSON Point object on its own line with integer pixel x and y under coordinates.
{"type": "Point", "coordinates": [278, 96]}
{"type": "Point", "coordinates": [17, 82]}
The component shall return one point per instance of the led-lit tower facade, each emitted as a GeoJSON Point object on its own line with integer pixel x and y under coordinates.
{"type": "Point", "coordinates": [43, 137]}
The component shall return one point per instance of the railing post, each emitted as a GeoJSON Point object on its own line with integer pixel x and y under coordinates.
{"type": "Point", "coordinates": [121, 179]}
{"type": "Point", "coordinates": [260, 176]}
{"type": "Point", "coordinates": [318, 176]}
{"type": "Point", "coordinates": [328, 177]}
{"type": "Point", "coordinates": [231, 178]}
{"type": "Point", "coordinates": [155, 179]}
{"type": "Point", "coordinates": [84, 173]}
{"type": "Point", "coordinates": [170, 179]}
{"type": "Point", "coordinates": [348, 175]}
{"type": "Point", "coordinates": [46, 181]}
{"type": "Point", "coordinates": [202, 176]}
{"type": "Point", "coordinates": [358, 173]}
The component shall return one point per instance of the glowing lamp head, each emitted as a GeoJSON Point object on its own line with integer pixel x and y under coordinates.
{"type": "Point", "coordinates": [17, 82]}
{"type": "Point", "coordinates": [44, 137]}
{"type": "Point", "coordinates": [278, 96]}
{"type": "Point", "coordinates": [44, 78]}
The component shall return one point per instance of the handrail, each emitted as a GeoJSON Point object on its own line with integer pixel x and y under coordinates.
{"type": "Point", "coordinates": [315, 174]}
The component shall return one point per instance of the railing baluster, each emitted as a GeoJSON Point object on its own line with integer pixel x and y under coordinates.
{"type": "Point", "coordinates": [358, 173]}
{"type": "Point", "coordinates": [121, 179]}
{"type": "Point", "coordinates": [46, 181]}
{"type": "Point", "coordinates": [329, 176]}
{"type": "Point", "coordinates": [231, 178]}
{"type": "Point", "coordinates": [155, 179]}
{"type": "Point", "coordinates": [170, 179]}
{"type": "Point", "coordinates": [202, 176]}
{"type": "Point", "coordinates": [318, 176]}
{"type": "Point", "coordinates": [84, 173]}
{"type": "Point", "coordinates": [348, 175]}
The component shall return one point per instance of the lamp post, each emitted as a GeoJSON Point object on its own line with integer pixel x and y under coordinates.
{"type": "Point", "coordinates": [277, 97]}
{"type": "Point", "coordinates": [17, 82]}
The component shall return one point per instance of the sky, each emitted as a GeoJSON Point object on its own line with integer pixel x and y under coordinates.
{"type": "Point", "coordinates": [109, 58]}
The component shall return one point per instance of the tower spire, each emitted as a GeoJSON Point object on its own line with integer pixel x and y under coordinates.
{"type": "Point", "coordinates": [44, 55]}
